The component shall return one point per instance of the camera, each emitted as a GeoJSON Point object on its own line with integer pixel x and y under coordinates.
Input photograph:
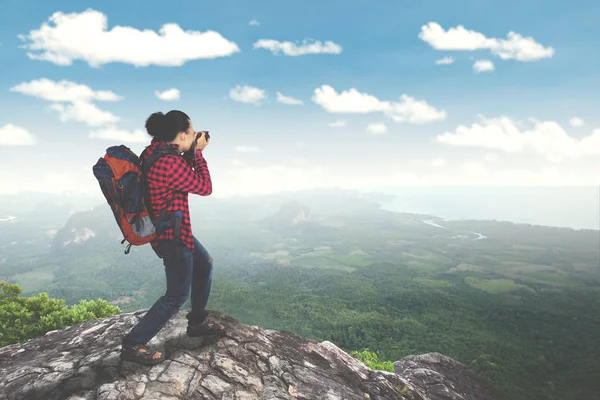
{"type": "Point", "coordinates": [207, 136]}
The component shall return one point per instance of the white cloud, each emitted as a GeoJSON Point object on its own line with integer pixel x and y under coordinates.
{"type": "Point", "coordinates": [590, 145]}
{"type": "Point", "coordinates": [515, 46]}
{"type": "Point", "coordinates": [340, 123]}
{"type": "Point", "coordinates": [288, 100]}
{"type": "Point", "coordinates": [247, 94]}
{"type": "Point", "coordinates": [352, 101]}
{"type": "Point", "coordinates": [246, 149]}
{"type": "Point", "coordinates": [445, 61]}
{"type": "Point", "coordinates": [576, 122]}
{"type": "Point", "coordinates": [84, 36]}
{"type": "Point", "coordinates": [301, 145]}
{"type": "Point", "coordinates": [113, 133]}
{"type": "Point", "coordinates": [169, 94]}
{"type": "Point", "coordinates": [236, 163]}
{"type": "Point", "coordinates": [78, 99]}
{"type": "Point", "coordinates": [414, 111]}
{"type": "Point", "coordinates": [377, 129]}
{"type": "Point", "coordinates": [254, 22]}
{"type": "Point", "coordinates": [13, 135]}
{"type": "Point", "coordinates": [546, 138]}
{"type": "Point", "coordinates": [483, 66]}
{"type": "Point", "coordinates": [63, 91]}
{"type": "Point", "coordinates": [348, 101]}
{"type": "Point", "coordinates": [276, 178]}
{"type": "Point", "coordinates": [298, 49]}
{"type": "Point", "coordinates": [438, 162]}
{"type": "Point", "coordinates": [82, 111]}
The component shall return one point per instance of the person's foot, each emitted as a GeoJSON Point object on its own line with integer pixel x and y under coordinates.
{"type": "Point", "coordinates": [141, 354]}
{"type": "Point", "coordinates": [205, 328]}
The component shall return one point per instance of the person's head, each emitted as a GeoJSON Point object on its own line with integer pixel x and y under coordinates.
{"type": "Point", "coordinates": [174, 127]}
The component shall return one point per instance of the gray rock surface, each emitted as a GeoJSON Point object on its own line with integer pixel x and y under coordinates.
{"type": "Point", "coordinates": [442, 378]}
{"type": "Point", "coordinates": [82, 363]}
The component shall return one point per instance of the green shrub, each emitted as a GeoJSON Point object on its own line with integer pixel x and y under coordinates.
{"type": "Point", "coordinates": [371, 360]}
{"type": "Point", "coordinates": [23, 318]}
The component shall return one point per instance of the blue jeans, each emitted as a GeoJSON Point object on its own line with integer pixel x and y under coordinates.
{"type": "Point", "coordinates": [184, 270]}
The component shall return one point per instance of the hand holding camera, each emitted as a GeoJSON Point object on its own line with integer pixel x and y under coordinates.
{"type": "Point", "coordinates": [202, 140]}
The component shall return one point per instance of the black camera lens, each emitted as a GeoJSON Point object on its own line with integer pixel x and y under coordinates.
{"type": "Point", "coordinates": [207, 136]}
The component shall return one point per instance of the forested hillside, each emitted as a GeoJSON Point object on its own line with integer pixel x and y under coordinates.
{"type": "Point", "coordinates": [518, 303]}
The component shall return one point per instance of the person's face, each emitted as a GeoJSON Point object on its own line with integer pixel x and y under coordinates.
{"type": "Point", "coordinates": [187, 138]}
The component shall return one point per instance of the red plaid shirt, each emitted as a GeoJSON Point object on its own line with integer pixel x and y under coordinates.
{"type": "Point", "coordinates": [174, 176]}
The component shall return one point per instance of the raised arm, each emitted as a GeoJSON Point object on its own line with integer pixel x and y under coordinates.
{"type": "Point", "coordinates": [192, 177]}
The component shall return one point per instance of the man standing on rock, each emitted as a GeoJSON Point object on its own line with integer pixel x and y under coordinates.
{"type": "Point", "coordinates": [187, 263]}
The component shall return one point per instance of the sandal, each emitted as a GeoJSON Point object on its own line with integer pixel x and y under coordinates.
{"type": "Point", "coordinates": [141, 354]}
{"type": "Point", "coordinates": [207, 327]}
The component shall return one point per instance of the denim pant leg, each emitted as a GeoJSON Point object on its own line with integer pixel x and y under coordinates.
{"type": "Point", "coordinates": [178, 271]}
{"type": "Point", "coordinates": [201, 283]}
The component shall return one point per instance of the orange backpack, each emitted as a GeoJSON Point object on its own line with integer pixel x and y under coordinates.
{"type": "Point", "coordinates": [121, 176]}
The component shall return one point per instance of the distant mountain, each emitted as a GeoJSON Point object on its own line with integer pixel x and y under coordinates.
{"type": "Point", "coordinates": [98, 223]}
{"type": "Point", "coordinates": [291, 214]}
{"type": "Point", "coordinates": [321, 201]}
{"type": "Point", "coordinates": [45, 204]}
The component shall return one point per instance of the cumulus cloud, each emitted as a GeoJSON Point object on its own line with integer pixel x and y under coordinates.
{"type": "Point", "coordinates": [377, 129]}
{"type": "Point", "coordinates": [340, 123]}
{"type": "Point", "coordinates": [246, 149]}
{"type": "Point", "coordinates": [81, 111]}
{"type": "Point", "coordinates": [299, 48]}
{"type": "Point", "coordinates": [13, 135]}
{"type": "Point", "coordinates": [445, 61]}
{"type": "Point", "coordinates": [247, 94]}
{"type": "Point", "coordinates": [72, 101]}
{"type": "Point", "coordinates": [169, 94]}
{"type": "Point", "coordinates": [576, 122]}
{"type": "Point", "coordinates": [546, 138]}
{"type": "Point", "coordinates": [67, 37]}
{"type": "Point", "coordinates": [63, 91]}
{"type": "Point", "coordinates": [514, 47]}
{"type": "Point", "coordinates": [483, 66]}
{"type": "Point", "coordinates": [288, 100]}
{"type": "Point", "coordinates": [254, 22]}
{"type": "Point", "coordinates": [407, 110]}
{"type": "Point", "coordinates": [348, 101]}
{"type": "Point", "coordinates": [121, 135]}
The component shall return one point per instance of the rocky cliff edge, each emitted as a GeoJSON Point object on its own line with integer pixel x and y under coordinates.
{"type": "Point", "coordinates": [82, 362]}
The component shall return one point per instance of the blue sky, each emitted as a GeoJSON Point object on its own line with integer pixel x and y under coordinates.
{"type": "Point", "coordinates": [368, 55]}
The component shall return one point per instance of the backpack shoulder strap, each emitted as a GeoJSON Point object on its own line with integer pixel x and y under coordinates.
{"type": "Point", "coordinates": [146, 163]}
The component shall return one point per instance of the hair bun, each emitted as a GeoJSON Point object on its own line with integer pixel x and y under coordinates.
{"type": "Point", "coordinates": [159, 125]}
